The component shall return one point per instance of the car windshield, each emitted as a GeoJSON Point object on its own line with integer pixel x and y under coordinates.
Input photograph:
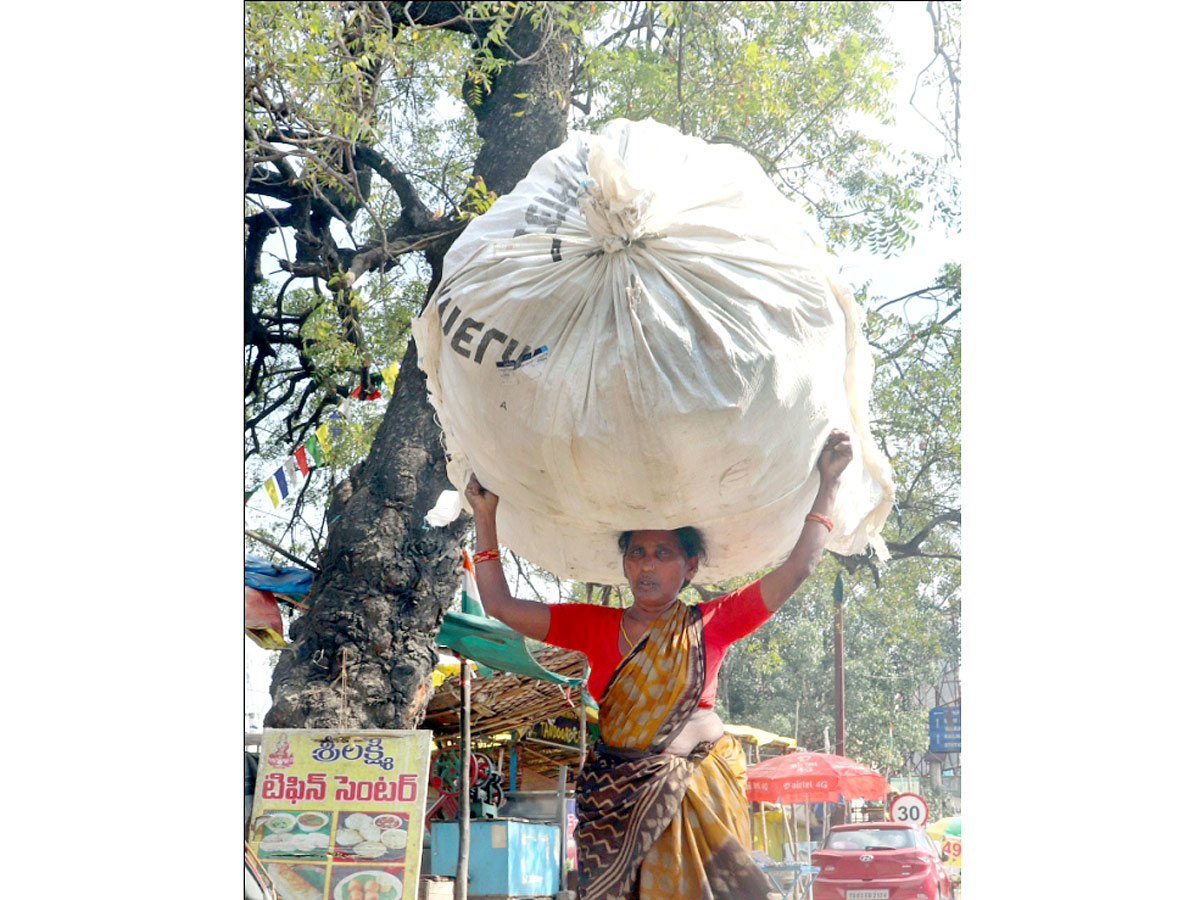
{"type": "Point", "coordinates": [871, 839]}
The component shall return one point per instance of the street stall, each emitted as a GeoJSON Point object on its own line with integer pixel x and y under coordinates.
{"type": "Point", "coordinates": [806, 777]}
{"type": "Point", "coordinates": [524, 705]}
{"type": "Point", "coordinates": [502, 849]}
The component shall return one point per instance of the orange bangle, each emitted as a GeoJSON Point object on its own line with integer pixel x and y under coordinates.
{"type": "Point", "coordinates": [824, 520]}
{"type": "Point", "coordinates": [485, 555]}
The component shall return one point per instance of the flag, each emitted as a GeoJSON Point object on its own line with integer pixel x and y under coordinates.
{"type": "Point", "coordinates": [281, 480]}
{"type": "Point", "coordinates": [273, 491]}
{"type": "Point", "coordinates": [390, 371]}
{"type": "Point", "coordinates": [471, 603]}
{"type": "Point", "coordinates": [323, 437]}
{"type": "Point", "coordinates": [302, 461]}
{"type": "Point", "coordinates": [290, 470]}
{"type": "Point", "coordinates": [314, 451]}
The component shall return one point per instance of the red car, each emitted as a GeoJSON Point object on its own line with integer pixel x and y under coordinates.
{"type": "Point", "coordinates": [879, 861]}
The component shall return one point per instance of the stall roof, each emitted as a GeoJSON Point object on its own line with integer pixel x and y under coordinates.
{"type": "Point", "coordinates": [508, 702]}
{"type": "Point", "coordinates": [759, 737]}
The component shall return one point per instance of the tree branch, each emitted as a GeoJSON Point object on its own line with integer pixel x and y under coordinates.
{"type": "Point", "coordinates": [912, 546]}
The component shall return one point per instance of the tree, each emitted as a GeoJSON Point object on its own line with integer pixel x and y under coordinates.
{"type": "Point", "coordinates": [360, 172]}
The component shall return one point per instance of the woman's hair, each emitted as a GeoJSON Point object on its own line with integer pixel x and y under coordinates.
{"type": "Point", "coordinates": [690, 539]}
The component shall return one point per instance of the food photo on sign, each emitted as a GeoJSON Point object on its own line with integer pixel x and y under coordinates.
{"type": "Point", "coordinates": [297, 882]}
{"type": "Point", "coordinates": [363, 836]}
{"type": "Point", "coordinates": [383, 883]}
{"type": "Point", "coordinates": [287, 833]}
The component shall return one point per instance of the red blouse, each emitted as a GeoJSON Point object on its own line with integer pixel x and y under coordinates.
{"type": "Point", "coordinates": [595, 629]}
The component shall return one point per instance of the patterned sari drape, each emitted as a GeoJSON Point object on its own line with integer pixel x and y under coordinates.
{"type": "Point", "coordinates": [655, 826]}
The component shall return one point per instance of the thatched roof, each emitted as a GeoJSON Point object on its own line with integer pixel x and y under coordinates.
{"type": "Point", "coordinates": [504, 703]}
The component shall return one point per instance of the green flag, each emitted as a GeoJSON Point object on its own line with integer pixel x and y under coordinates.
{"type": "Point", "coordinates": [313, 446]}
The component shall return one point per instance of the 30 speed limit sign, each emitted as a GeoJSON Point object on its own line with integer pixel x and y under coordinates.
{"type": "Point", "coordinates": [910, 809]}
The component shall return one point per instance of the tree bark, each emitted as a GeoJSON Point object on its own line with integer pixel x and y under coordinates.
{"type": "Point", "coordinates": [362, 657]}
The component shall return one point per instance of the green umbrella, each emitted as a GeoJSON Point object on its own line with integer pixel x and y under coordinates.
{"type": "Point", "coordinates": [949, 825]}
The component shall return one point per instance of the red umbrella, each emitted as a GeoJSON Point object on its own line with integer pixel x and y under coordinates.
{"type": "Point", "coordinates": [809, 777]}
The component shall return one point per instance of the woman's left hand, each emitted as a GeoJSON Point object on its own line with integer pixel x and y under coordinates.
{"type": "Point", "coordinates": [835, 456]}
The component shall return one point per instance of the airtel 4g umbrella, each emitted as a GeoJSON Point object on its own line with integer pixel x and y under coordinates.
{"type": "Point", "coordinates": [811, 777]}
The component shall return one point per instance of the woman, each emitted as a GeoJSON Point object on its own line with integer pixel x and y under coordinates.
{"type": "Point", "coordinates": [661, 802]}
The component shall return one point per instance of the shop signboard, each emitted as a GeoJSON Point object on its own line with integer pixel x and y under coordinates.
{"type": "Point", "coordinates": [952, 848]}
{"type": "Point", "coordinates": [339, 815]}
{"type": "Point", "coordinates": [563, 730]}
{"type": "Point", "coordinates": [945, 729]}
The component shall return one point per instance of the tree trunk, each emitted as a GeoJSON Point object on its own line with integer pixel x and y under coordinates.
{"type": "Point", "coordinates": [363, 654]}
{"type": "Point", "coordinates": [362, 657]}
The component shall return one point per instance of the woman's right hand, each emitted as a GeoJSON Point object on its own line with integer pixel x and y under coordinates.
{"type": "Point", "coordinates": [481, 499]}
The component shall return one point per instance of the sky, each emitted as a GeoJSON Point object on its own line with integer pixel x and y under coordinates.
{"type": "Point", "coordinates": [917, 266]}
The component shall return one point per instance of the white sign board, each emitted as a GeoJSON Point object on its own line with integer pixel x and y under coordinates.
{"type": "Point", "coordinates": [909, 809]}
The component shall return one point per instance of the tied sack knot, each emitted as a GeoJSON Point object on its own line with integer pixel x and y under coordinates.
{"type": "Point", "coordinates": [614, 208]}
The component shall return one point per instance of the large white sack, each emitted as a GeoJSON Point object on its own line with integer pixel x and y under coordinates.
{"type": "Point", "coordinates": [696, 357]}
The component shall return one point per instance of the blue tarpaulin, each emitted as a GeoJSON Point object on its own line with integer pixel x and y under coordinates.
{"type": "Point", "coordinates": [266, 576]}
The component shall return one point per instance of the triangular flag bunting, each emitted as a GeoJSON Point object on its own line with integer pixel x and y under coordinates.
{"type": "Point", "coordinates": [390, 371]}
{"type": "Point", "coordinates": [314, 451]}
{"type": "Point", "coordinates": [323, 437]}
{"type": "Point", "coordinates": [281, 480]}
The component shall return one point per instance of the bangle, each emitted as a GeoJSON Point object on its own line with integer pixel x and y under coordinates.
{"type": "Point", "coordinates": [485, 555]}
{"type": "Point", "coordinates": [824, 520]}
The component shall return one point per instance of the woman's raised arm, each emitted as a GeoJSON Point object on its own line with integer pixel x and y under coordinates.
{"type": "Point", "coordinates": [779, 584]}
{"type": "Point", "coordinates": [527, 617]}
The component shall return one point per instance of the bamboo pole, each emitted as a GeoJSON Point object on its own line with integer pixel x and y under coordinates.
{"type": "Point", "coordinates": [789, 836]}
{"type": "Point", "coordinates": [762, 808]}
{"type": "Point", "coordinates": [464, 779]}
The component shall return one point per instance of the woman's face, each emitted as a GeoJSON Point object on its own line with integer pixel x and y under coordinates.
{"type": "Point", "coordinates": [656, 567]}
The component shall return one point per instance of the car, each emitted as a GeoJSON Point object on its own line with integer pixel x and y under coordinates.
{"type": "Point", "coordinates": [880, 861]}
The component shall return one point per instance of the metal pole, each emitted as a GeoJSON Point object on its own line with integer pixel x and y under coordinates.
{"type": "Point", "coordinates": [839, 674]}
{"type": "Point", "coordinates": [464, 781]}
{"type": "Point", "coordinates": [562, 828]}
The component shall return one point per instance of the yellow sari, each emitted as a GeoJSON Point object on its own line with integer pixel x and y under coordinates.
{"type": "Point", "coordinates": [652, 825]}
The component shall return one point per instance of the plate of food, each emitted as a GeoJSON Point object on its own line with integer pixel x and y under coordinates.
{"type": "Point", "coordinates": [394, 838]}
{"type": "Point", "coordinates": [302, 844]}
{"type": "Point", "coordinates": [361, 885]}
{"type": "Point", "coordinates": [281, 822]}
{"type": "Point", "coordinates": [369, 849]}
{"type": "Point", "coordinates": [311, 821]}
{"type": "Point", "coordinates": [291, 885]}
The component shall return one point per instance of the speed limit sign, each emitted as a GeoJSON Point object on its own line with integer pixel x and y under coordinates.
{"type": "Point", "coordinates": [910, 809]}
